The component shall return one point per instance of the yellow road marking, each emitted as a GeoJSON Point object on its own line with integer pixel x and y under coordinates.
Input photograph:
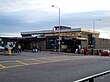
{"type": "Point", "coordinates": [22, 62]}
{"type": "Point", "coordinates": [40, 61]}
{"type": "Point", "coordinates": [2, 66]}
{"type": "Point", "coordinates": [6, 61]}
{"type": "Point", "coordinates": [14, 66]}
{"type": "Point", "coordinates": [29, 59]}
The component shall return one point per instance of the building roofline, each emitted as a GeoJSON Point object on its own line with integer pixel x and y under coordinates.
{"type": "Point", "coordinates": [50, 31]}
{"type": "Point", "coordinates": [53, 31]}
{"type": "Point", "coordinates": [90, 31]}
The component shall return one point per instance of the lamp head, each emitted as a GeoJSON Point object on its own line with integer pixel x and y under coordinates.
{"type": "Point", "coordinates": [99, 19]}
{"type": "Point", "coordinates": [53, 6]}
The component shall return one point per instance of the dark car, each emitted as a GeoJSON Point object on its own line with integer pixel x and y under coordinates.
{"type": "Point", "coordinates": [105, 53]}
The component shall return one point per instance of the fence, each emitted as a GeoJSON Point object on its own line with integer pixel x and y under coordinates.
{"type": "Point", "coordinates": [91, 78]}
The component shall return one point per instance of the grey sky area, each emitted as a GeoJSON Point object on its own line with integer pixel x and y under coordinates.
{"type": "Point", "coordinates": [30, 15]}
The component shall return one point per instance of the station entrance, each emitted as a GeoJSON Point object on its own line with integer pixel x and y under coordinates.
{"type": "Point", "coordinates": [67, 44]}
{"type": "Point", "coordinates": [71, 43]}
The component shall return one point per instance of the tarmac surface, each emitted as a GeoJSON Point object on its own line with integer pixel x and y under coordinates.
{"type": "Point", "coordinates": [51, 67]}
{"type": "Point", "coordinates": [29, 58]}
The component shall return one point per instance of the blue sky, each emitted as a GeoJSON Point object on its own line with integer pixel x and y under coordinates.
{"type": "Point", "coordinates": [31, 15]}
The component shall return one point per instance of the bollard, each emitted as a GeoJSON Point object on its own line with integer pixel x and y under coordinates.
{"type": "Point", "coordinates": [9, 51]}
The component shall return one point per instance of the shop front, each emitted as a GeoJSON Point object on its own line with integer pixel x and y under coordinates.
{"type": "Point", "coordinates": [68, 44]}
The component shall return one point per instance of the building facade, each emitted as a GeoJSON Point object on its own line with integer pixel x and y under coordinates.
{"type": "Point", "coordinates": [69, 38]}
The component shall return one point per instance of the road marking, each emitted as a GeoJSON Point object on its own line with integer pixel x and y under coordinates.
{"type": "Point", "coordinates": [29, 59]}
{"type": "Point", "coordinates": [2, 66]}
{"type": "Point", "coordinates": [33, 61]}
{"type": "Point", "coordinates": [6, 61]}
{"type": "Point", "coordinates": [36, 60]}
{"type": "Point", "coordinates": [22, 62]}
{"type": "Point", "coordinates": [14, 66]}
{"type": "Point", "coordinates": [40, 61]}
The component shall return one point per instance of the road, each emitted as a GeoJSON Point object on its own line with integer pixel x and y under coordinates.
{"type": "Point", "coordinates": [46, 67]}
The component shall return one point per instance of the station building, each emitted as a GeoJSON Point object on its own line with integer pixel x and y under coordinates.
{"type": "Point", "coordinates": [69, 38]}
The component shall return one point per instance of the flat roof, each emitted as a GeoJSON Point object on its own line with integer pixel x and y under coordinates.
{"type": "Point", "coordinates": [65, 30]}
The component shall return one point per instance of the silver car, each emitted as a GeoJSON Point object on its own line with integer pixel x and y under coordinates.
{"type": "Point", "coordinates": [2, 48]}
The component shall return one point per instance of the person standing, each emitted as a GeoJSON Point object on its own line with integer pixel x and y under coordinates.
{"type": "Point", "coordinates": [40, 48]}
{"type": "Point", "coordinates": [92, 51]}
{"type": "Point", "coordinates": [19, 48]}
{"type": "Point", "coordinates": [85, 50]}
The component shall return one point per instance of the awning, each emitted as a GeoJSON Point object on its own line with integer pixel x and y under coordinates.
{"type": "Point", "coordinates": [73, 38]}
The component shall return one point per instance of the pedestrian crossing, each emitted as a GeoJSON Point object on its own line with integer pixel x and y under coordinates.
{"type": "Point", "coordinates": [42, 60]}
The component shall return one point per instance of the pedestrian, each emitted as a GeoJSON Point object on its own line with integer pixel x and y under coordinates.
{"type": "Point", "coordinates": [85, 50]}
{"type": "Point", "coordinates": [76, 52]}
{"type": "Point", "coordinates": [19, 48]}
{"type": "Point", "coordinates": [92, 51]}
{"type": "Point", "coordinates": [16, 48]}
{"type": "Point", "coordinates": [40, 48]}
{"type": "Point", "coordinates": [34, 49]}
{"type": "Point", "coordinates": [79, 49]}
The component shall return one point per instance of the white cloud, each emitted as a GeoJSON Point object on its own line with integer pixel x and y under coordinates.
{"type": "Point", "coordinates": [18, 5]}
{"type": "Point", "coordinates": [67, 6]}
{"type": "Point", "coordinates": [31, 14]}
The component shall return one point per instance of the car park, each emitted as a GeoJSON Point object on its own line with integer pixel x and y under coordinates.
{"type": "Point", "coordinates": [105, 53]}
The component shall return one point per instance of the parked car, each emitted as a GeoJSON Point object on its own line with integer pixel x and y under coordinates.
{"type": "Point", "coordinates": [2, 48]}
{"type": "Point", "coordinates": [105, 53]}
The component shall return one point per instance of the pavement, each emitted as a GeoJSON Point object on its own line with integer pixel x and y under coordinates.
{"type": "Point", "coordinates": [42, 53]}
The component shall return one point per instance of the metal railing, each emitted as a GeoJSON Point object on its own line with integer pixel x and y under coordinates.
{"type": "Point", "coordinates": [91, 78]}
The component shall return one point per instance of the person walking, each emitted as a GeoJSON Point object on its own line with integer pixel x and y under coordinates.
{"type": "Point", "coordinates": [19, 48]}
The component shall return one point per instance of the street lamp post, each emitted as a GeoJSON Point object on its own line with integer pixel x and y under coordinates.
{"type": "Point", "coordinates": [94, 24]}
{"type": "Point", "coordinates": [93, 40]}
{"type": "Point", "coordinates": [59, 29]}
